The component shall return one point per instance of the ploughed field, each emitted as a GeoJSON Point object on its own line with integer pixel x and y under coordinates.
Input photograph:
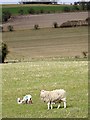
{"type": "Point", "coordinates": [43, 20]}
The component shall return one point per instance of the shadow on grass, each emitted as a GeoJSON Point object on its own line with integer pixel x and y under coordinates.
{"type": "Point", "coordinates": [68, 106]}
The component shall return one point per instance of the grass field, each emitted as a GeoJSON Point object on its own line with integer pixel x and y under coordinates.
{"type": "Point", "coordinates": [14, 9]}
{"type": "Point", "coordinates": [20, 79]}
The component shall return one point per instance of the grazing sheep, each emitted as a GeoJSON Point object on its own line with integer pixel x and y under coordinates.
{"type": "Point", "coordinates": [53, 97]}
{"type": "Point", "coordinates": [26, 99]}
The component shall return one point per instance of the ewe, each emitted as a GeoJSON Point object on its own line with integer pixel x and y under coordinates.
{"type": "Point", "coordinates": [53, 97]}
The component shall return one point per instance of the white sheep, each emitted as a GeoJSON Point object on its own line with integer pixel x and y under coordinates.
{"type": "Point", "coordinates": [53, 97]}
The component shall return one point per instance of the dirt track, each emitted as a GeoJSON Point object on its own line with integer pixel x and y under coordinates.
{"type": "Point", "coordinates": [43, 20]}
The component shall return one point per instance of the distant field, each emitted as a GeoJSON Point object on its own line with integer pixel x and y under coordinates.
{"type": "Point", "coordinates": [14, 9]}
{"type": "Point", "coordinates": [22, 22]}
{"type": "Point", "coordinates": [25, 45]}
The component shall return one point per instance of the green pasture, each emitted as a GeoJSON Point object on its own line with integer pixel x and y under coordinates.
{"type": "Point", "coordinates": [20, 79]}
{"type": "Point", "coordinates": [14, 9]}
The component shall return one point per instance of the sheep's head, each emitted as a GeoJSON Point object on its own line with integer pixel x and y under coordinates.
{"type": "Point", "coordinates": [42, 90]}
{"type": "Point", "coordinates": [42, 95]}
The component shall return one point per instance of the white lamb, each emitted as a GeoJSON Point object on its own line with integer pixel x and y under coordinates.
{"type": "Point", "coordinates": [26, 99]}
{"type": "Point", "coordinates": [53, 97]}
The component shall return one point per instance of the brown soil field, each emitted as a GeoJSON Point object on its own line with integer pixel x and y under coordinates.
{"type": "Point", "coordinates": [43, 20]}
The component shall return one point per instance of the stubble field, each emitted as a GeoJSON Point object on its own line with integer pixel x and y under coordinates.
{"type": "Point", "coordinates": [43, 43]}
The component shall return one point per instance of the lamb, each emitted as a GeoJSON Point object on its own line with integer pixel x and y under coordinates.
{"type": "Point", "coordinates": [26, 99]}
{"type": "Point", "coordinates": [53, 97]}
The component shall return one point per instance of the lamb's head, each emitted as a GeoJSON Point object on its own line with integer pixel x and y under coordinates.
{"type": "Point", "coordinates": [19, 101]}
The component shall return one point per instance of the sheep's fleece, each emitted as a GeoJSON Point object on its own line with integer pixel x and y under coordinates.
{"type": "Point", "coordinates": [53, 97]}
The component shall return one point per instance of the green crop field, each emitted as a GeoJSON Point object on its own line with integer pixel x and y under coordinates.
{"type": "Point", "coordinates": [14, 9]}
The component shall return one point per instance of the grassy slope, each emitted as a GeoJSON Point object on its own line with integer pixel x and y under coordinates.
{"type": "Point", "coordinates": [29, 78]}
{"type": "Point", "coordinates": [46, 43]}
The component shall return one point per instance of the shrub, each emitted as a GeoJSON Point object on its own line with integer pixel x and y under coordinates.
{"type": "Point", "coordinates": [48, 12]}
{"type": "Point", "coordinates": [37, 12]}
{"type": "Point", "coordinates": [21, 12]}
{"type": "Point", "coordinates": [42, 11]}
{"type": "Point", "coordinates": [66, 9]}
{"type": "Point", "coordinates": [3, 52]}
{"type": "Point", "coordinates": [85, 54]}
{"type": "Point", "coordinates": [36, 27]}
{"type": "Point", "coordinates": [66, 24]}
{"type": "Point", "coordinates": [77, 56]}
{"type": "Point", "coordinates": [55, 25]}
{"type": "Point", "coordinates": [10, 28]}
{"type": "Point", "coordinates": [1, 28]}
{"type": "Point", "coordinates": [88, 20]}
{"type": "Point", "coordinates": [31, 11]}
{"type": "Point", "coordinates": [75, 8]}
{"type": "Point", "coordinates": [5, 16]}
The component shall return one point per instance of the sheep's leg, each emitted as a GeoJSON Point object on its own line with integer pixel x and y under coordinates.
{"type": "Point", "coordinates": [58, 106]}
{"type": "Point", "coordinates": [51, 106]}
{"type": "Point", "coordinates": [48, 105]}
{"type": "Point", "coordinates": [64, 100]}
{"type": "Point", "coordinates": [64, 104]}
